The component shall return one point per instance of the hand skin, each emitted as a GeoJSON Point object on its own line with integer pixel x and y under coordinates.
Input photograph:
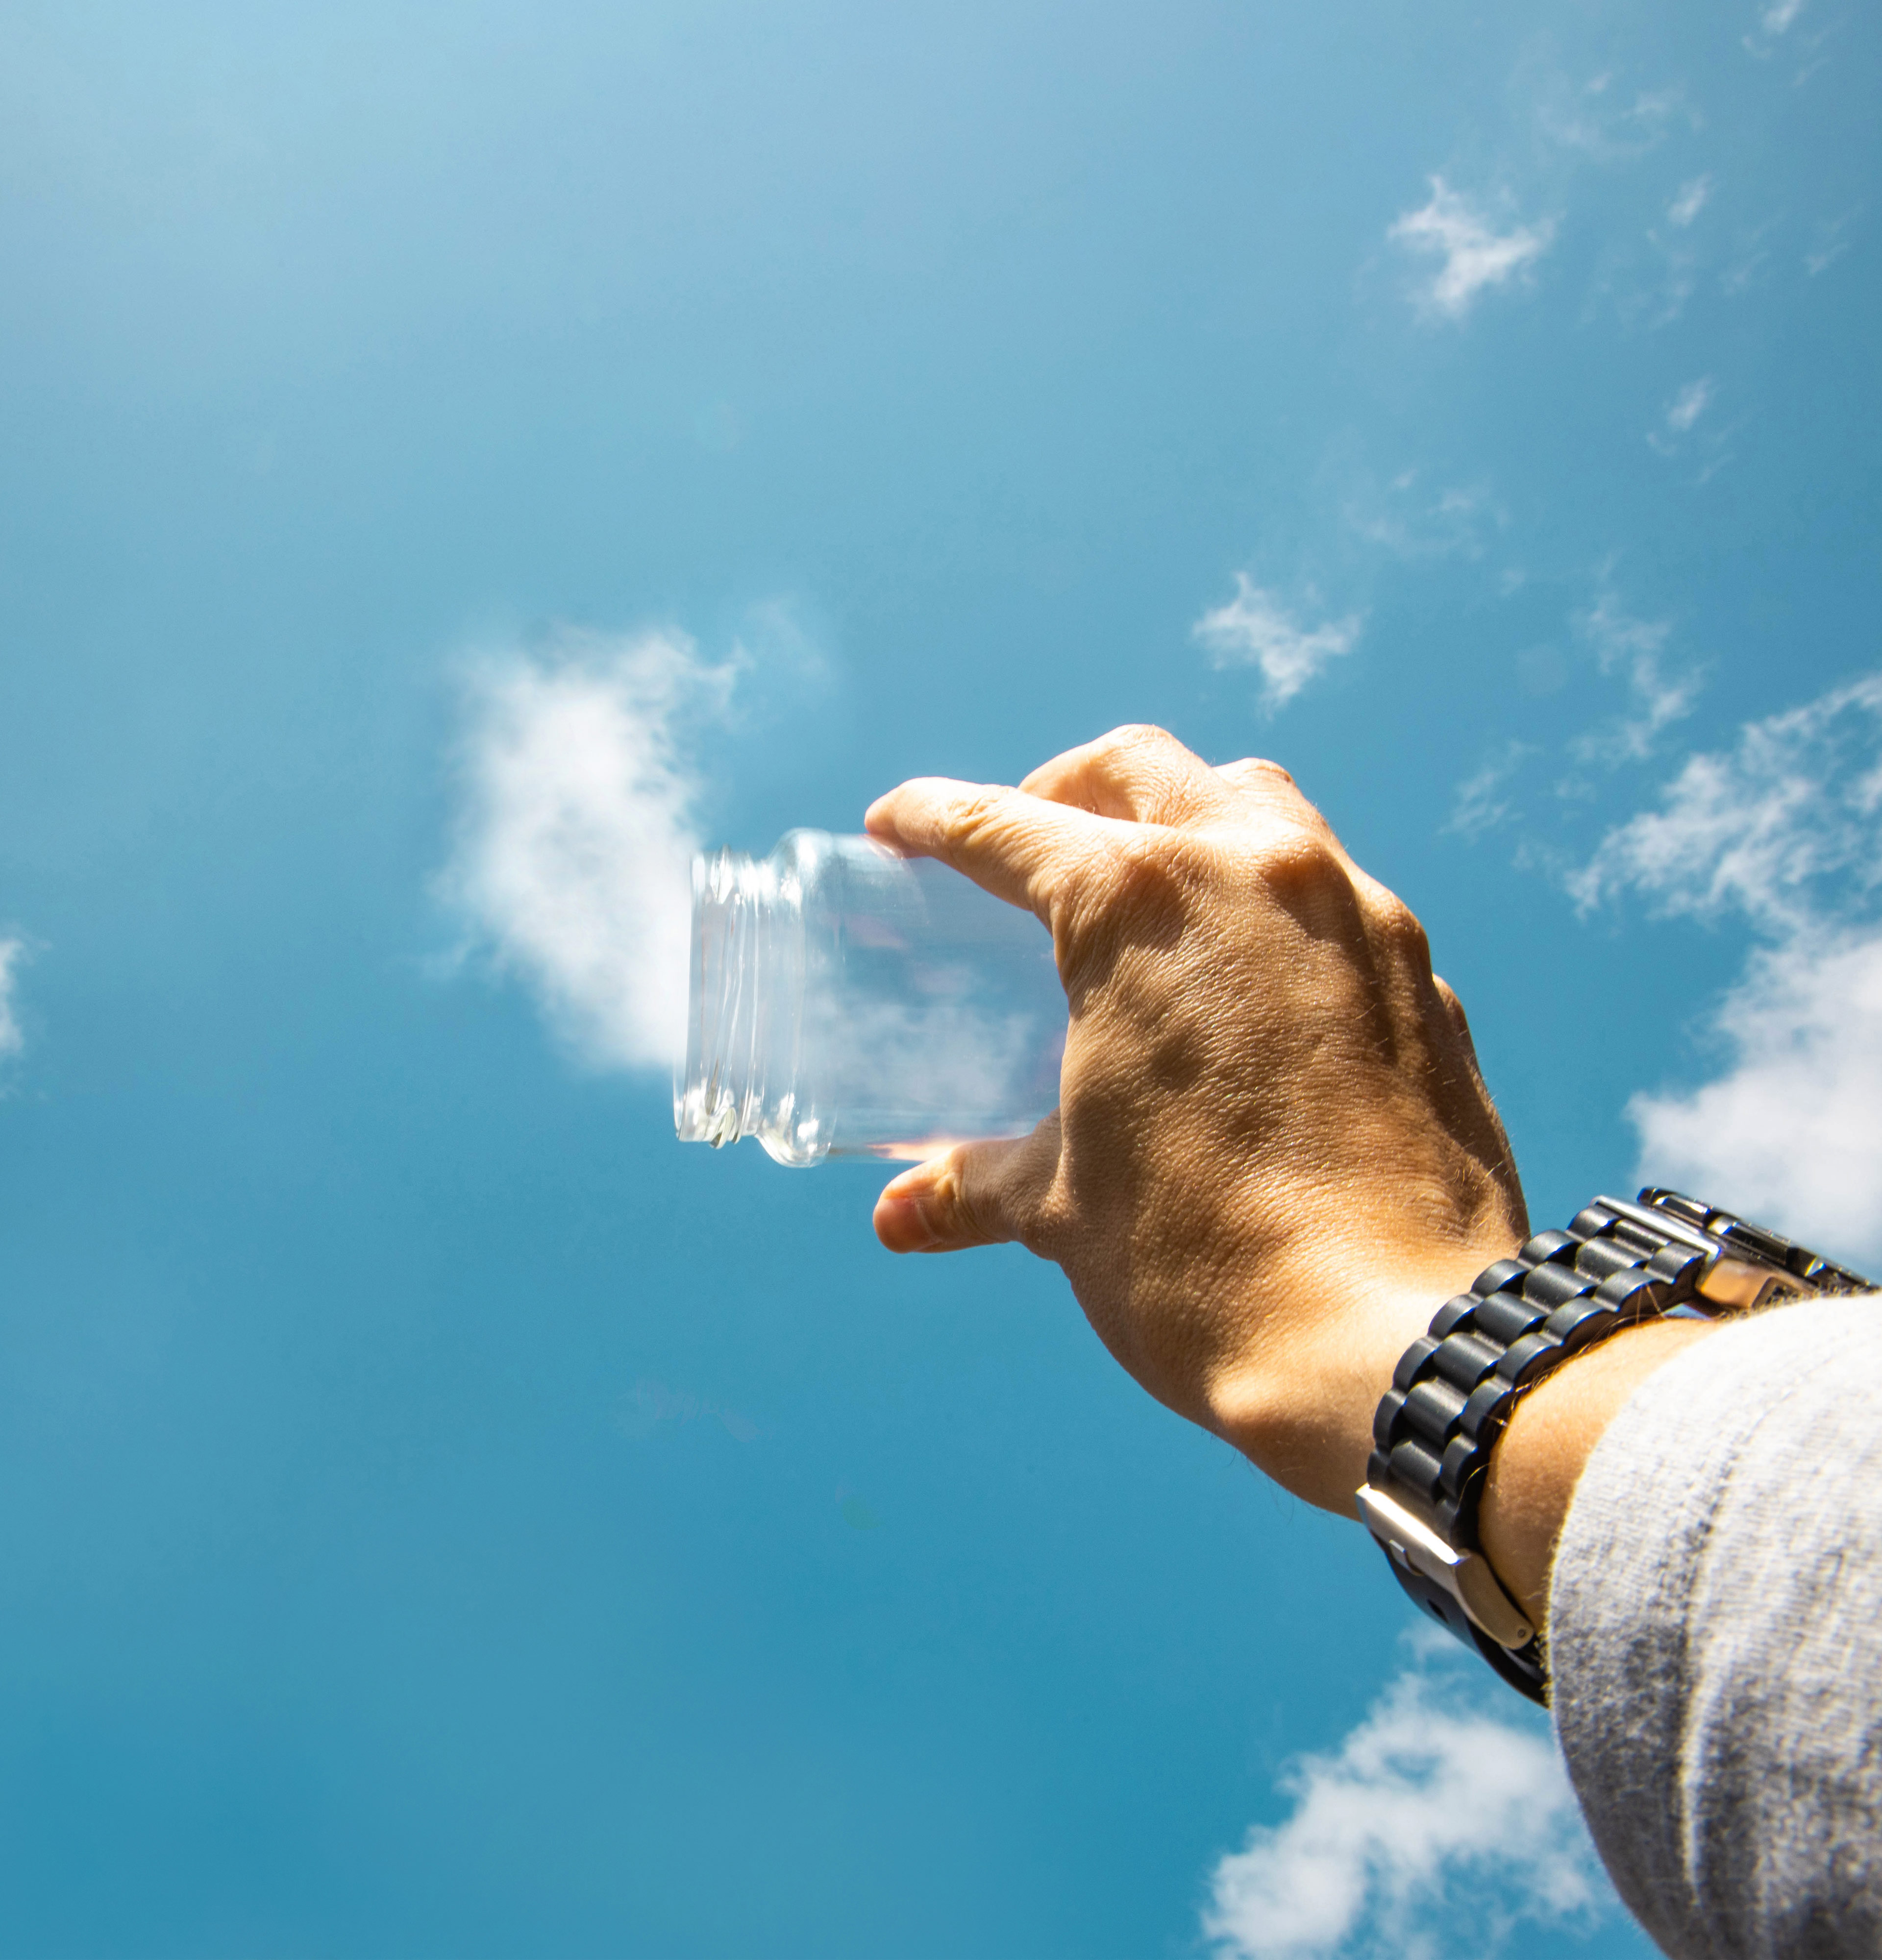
{"type": "Point", "coordinates": [1274, 1157]}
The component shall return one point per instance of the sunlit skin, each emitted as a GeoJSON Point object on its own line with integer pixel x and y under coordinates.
{"type": "Point", "coordinates": [1274, 1155]}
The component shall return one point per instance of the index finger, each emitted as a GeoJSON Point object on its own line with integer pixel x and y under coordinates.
{"type": "Point", "coordinates": [1021, 849]}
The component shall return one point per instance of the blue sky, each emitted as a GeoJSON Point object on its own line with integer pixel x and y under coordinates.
{"type": "Point", "coordinates": [439, 1514]}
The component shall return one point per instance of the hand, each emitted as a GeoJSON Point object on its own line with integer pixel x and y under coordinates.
{"type": "Point", "coordinates": [1273, 1156]}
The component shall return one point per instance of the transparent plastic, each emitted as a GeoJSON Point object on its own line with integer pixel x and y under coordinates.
{"type": "Point", "coordinates": [848, 1002]}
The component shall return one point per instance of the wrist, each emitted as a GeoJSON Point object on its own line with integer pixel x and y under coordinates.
{"type": "Point", "coordinates": [1563, 1295]}
{"type": "Point", "coordinates": [1545, 1445]}
{"type": "Point", "coordinates": [1300, 1404]}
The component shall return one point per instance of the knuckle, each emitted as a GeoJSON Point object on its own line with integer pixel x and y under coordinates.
{"type": "Point", "coordinates": [1454, 1009]}
{"type": "Point", "coordinates": [959, 1219]}
{"type": "Point", "coordinates": [1143, 869]}
{"type": "Point", "coordinates": [1131, 737]}
{"type": "Point", "coordinates": [977, 815]}
{"type": "Point", "coordinates": [1300, 857]}
{"type": "Point", "coordinates": [1398, 926]}
{"type": "Point", "coordinates": [1135, 888]}
{"type": "Point", "coordinates": [1303, 871]}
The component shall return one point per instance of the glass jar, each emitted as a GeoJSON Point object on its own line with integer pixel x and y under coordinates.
{"type": "Point", "coordinates": [846, 1001]}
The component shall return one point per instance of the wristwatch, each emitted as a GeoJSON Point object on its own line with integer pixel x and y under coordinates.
{"type": "Point", "coordinates": [1617, 1265]}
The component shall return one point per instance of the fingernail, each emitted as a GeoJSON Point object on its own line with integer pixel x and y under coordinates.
{"type": "Point", "coordinates": [910, 1227]}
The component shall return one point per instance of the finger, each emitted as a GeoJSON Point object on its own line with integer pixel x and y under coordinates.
{"type": "Point", "coordinates": [1140, 774]}
{"type": "Point", "coordinates": [974, 1194]}
{"type": "Point", "coordinates": [1020, 847]}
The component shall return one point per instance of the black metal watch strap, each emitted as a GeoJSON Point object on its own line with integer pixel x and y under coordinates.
{"type": "Point", "coordinates": [1452, 1391]}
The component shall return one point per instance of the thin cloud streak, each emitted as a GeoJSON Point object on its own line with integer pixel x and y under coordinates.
{"type": "Point", "coordinates": [1254, 629]}
{"type": "Point", "coordinates": [1692, 198]}
{"type": "Point", "coordinates": [12, 1035]}
{"type": "Point", "coordinates": [1434, 1828]}
{"type": "Point", "coordinates": [1830, 241]}
{"type": "Point", "coordinates": [1475, 257]}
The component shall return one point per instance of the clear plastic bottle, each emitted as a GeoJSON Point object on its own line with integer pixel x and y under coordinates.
{"type": "Point", "coordinates": [848, 1002]}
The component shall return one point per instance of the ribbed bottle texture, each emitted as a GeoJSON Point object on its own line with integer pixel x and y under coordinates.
{"type": "Point", "coordinates": [847, 1002]}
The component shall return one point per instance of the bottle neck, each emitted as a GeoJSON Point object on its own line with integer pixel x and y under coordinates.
{"type": "Point", "coordinates": [719, 1094]}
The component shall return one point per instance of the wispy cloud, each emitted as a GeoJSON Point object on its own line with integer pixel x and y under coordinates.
{"type": "Point", "coordinates": [1474, 256]}
{"type": "Point", "coordinates": [577, 829]}
{"type": "Point", "coordinates": [1649, 280]}
{"type": "Point", "coordinates": [1481, 803]}
{"type": "Point", "coordinates": [1680, 416]}
{"type": "Point", "coordinates": [1436, 1826]}
{"type": "Point", "coordinates": [650, 1406]}
{"type": "Point", "coordinates": [1689, 201]}
{"type": "Point", "coordinates": [12, 1035]}
{"type": "Point", "coordinates": [1690, 404]}
{"type": "Point", "coordinates": [1829, 241]}
{"type": "Point", "coordinates": [1255, 630]}
{"type": "Point", "coordinates": [1418, 522]}
{"type": "Point", "coordinates": [1635, 649]}
{"type": "Point", "coordinates": [1774, 21]}
{"type": "Point", "coordinates": [1596, 120]}
{"type": "Point", "coordinates": [1784, 830]}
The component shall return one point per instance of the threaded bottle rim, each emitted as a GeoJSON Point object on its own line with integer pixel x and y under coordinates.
{"type": "Point", "coordinates": [718, 1090]}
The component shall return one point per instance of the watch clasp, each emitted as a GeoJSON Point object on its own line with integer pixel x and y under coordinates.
{"type": "Point", "coordinates": [1466, 1576]}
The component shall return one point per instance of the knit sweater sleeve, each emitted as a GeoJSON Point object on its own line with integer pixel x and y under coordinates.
{"type": "Point", "coordinates": [1715, 1625]}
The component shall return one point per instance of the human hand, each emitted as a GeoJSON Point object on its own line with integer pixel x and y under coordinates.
{"type": "Point", "coordinates": [1273, 1156]}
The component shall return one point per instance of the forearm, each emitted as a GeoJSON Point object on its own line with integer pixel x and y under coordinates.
{"type": "Point", "coordinates": [1551, 1434]}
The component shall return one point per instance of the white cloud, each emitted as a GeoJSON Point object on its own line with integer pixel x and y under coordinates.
{"type": "Point", "coordinates": [1475, 257]}
{"type": "Point", "coordinates": [1434, 1827]}
{"type": "Point", "coordinates": [1773, 828]}
{"type": "Point", "coordinates": [1636, 649]}
{"type": "Point", "coordinates": [12, 1036]}
{"type": "Point", "coordinates": [1784, 830]}
{"type": "Point", "coordinates": [1254, 630]}
{"type": "Point", "coordinates": [577, 829]}
{"type": "Point", "coordinates": [1691, 198]}
{"type": "Point", "coordinates": [1789, 1132]}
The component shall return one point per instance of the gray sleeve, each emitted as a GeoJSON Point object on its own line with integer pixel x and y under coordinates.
{"type": "Point", "coordinates": [1715, 1624]}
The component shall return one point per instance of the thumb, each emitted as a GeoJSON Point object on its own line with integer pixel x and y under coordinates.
{"type": "Point", "coordinates": [973, 1194]}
